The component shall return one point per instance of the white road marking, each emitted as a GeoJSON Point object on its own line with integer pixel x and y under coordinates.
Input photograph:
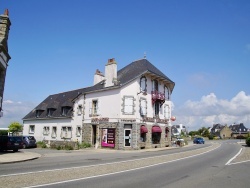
{"type": "Point", "coordinates": [90, 177]}
{"type": "Point", "coordinates": [228, 162]}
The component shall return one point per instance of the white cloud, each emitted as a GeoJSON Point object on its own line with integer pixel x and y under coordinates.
{"type": "Point", "coordinates": [210, 110]}
{"type": "Point", "coordinates": [14, 111]}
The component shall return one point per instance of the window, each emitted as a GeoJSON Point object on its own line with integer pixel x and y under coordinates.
{"type": "Point", "coordinates": [39, 113]}
{"type": "Point", "coordinates": [167, 112]}
{"type": "Point", "coordinates": [167, 94]}
{"type": "Point", "coordinates": [45, 130]}
{"type": "Point", "coordinates": [143, 107]}
{"type": "Point", "coordinates": [79, 109]}
{"type": "Point", "coordinates": [66, 132]}
{"type": "Point", "coordinates": [50, 111]}
{"type": "Point", "coordinates": [156, 137]}
{"type": "Point", "coordinates": [93, 110]}
{"type": "Point", "coordinates": [54, 129]}
{"type": "Point", "coordinates": [65, 110]}
{"type": "Point", "coordinates": [155, 85]}
{"type": "Point", "coordinates": [128, 105]}
{"type": "Point", "coordinates": [32, 129]}
{"type": "Point", "coordinates": [143, 84]}
{"type": "Point", "coordinates": [78, 131]}
{"type": "Point", "coordinates": [156, 108]}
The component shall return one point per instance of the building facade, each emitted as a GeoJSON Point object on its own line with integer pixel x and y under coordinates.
{"type": "Point", "coordinates": [4, 55]}
{"type": "Point", "coordinates": [125, 109]}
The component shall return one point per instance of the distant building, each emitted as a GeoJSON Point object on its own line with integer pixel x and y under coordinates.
{"type": "Point", "coordinates": [238, 129]}
{"type": "Point", "coordinates": [178, 129]}
{"type": "Point", "coordinates": [125, 109]}
{"type": "Point", "coordinates": [4, 55]}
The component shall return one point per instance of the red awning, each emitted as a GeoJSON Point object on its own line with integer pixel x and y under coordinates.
{"type": "Point", "coordinates": [156, 129]}
{"type": "Point", "coordinates": [144, 129]}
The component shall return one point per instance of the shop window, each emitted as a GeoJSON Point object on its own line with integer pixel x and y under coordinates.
{"type": "Point", "coordinates": [54, 129]}
{"type": "Point", "coordinates": [32, 129]}
{"type": "Point", "coordinates": [45, 130]}
{"type": "Point", "coordinates": [66, 132]}
{"type": "Point", "coordinates": [156, 137]}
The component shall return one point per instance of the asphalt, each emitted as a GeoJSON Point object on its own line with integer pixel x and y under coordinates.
{"type": "Point", "coordinates": [24, 155]}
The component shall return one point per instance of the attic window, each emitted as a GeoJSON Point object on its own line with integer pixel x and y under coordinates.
{"type": "Point", "coordinates": [65, 110]}
{"type": "Point", "coordinates": [50, 111]}
{"type": "Point", "coordinates": [39, 113]}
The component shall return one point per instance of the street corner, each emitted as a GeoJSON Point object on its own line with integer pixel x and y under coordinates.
{"type": "Point", "coordinates": [20, 156]}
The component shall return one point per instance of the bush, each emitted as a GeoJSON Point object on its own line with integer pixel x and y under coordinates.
{"type": "Point", "coordinates": [3, 133]}
{"type": "Point", "coordinates": [41, 144]}
{"type": "Point", "coordinates": [210, 137]}
{"type": "Point", "coordinates": [85, 145]}
{"type": "Point", "coordinates": [248, 141]}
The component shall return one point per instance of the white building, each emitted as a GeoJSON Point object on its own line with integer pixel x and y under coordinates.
{"type": "Point", "coordinates": [128, 109]}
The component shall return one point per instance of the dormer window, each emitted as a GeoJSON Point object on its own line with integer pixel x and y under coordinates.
{"type": "Point", "coordinates": [143, 84]}
{"type": "Point", "coordinates": [39, 113]}
{"type": "Point", "coordinates": [50, 111]}
{"type": "Point", "coordinates": [65, 110]}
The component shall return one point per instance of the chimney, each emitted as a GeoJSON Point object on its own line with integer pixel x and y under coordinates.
{"type": "Point", "coordinates": [111, 73]}
{"type": "Point", "coordinates": [5, 26]}
{"type": "Point", "coordinates": [98, 77]}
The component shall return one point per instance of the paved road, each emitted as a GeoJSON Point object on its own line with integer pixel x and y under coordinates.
{"type": "Point", "coordinates": [176, 166]}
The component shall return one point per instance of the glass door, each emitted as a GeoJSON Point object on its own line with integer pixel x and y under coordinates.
{"type": "Point", "coordinates": [127, 137]}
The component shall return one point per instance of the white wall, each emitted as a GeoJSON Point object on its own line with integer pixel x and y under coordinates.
{"type": "Point", "coordinates": [39, 125]}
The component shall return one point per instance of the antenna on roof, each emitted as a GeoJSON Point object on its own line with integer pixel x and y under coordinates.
{"type": "Point", "coordinates": [145, 55]}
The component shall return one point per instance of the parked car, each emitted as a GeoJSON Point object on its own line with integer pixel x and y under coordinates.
{"type": "Point", "coordinates": [29, 142]}
{"type": "Point", "coordinates": [11, 143]}
{"type": "Point", "coordinates": [199, 141]}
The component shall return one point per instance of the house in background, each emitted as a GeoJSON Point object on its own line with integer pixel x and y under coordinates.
{"type": "Point", "coordinates": [238, 129]}
{"type": "Point", "coordinates": [4, 54]}
{"type": "Point", "coordinates": [125, 109]}
{"type": "Point", "coordinates": [179, 129]}
{"type": "Point", "coordinates": [221, 131]}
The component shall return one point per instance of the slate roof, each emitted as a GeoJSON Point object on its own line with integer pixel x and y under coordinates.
{"type": "Point", "coordinates": [238, 128]}
{"type": "Point", "coordinates": [65, 99]}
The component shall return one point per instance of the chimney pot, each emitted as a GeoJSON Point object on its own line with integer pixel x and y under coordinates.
{"type": "Point", "coordinates": [6, 12]}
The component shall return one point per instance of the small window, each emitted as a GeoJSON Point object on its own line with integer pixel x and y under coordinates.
{"type": "Point", "coordinates": [156, 108]}
{"type": "Point", "coordinates": [66, 132]}
{"type": "Point", "coordinates": [53, 135]}
{"type": "Point", "coordinates": [78, 131]}
{"type": "Point", "coordinates": [32, 129]}
{"type": "Point", "coordinates": [143, 84]}
{"type": "Point", "coordinates": [79, 109]}
{"type": "Point", "coordinates": [45, 130]}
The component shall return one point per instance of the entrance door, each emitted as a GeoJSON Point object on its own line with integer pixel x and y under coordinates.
{"type": "Point", "coordinates": [127, 137]}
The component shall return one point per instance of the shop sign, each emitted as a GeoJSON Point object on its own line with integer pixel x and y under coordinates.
{"type": "Point", "coordinates": [99, 120]}
{"type": "Point", "coordinates": [128, 120]}
{"type": "Point", "coordinates": [108, 137]}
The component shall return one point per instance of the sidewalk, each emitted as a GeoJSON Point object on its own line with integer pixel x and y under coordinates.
{"type": "Point", "coordinates": [13, 157]}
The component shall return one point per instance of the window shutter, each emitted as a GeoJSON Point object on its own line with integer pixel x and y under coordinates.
{"type": "Point", "coordinates": [128, 105]}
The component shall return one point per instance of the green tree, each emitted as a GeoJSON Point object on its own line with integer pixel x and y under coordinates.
{"type": "Point", "coordinates": [15, 127]}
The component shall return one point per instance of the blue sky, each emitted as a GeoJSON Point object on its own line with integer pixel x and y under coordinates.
{"type": "Point", "coordinates": [202, 45]}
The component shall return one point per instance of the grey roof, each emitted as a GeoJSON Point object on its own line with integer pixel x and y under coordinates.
{"type": "Point", "coordinates": [238, 128]}
{"type": "Point", "coordinates": [66, 99]}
